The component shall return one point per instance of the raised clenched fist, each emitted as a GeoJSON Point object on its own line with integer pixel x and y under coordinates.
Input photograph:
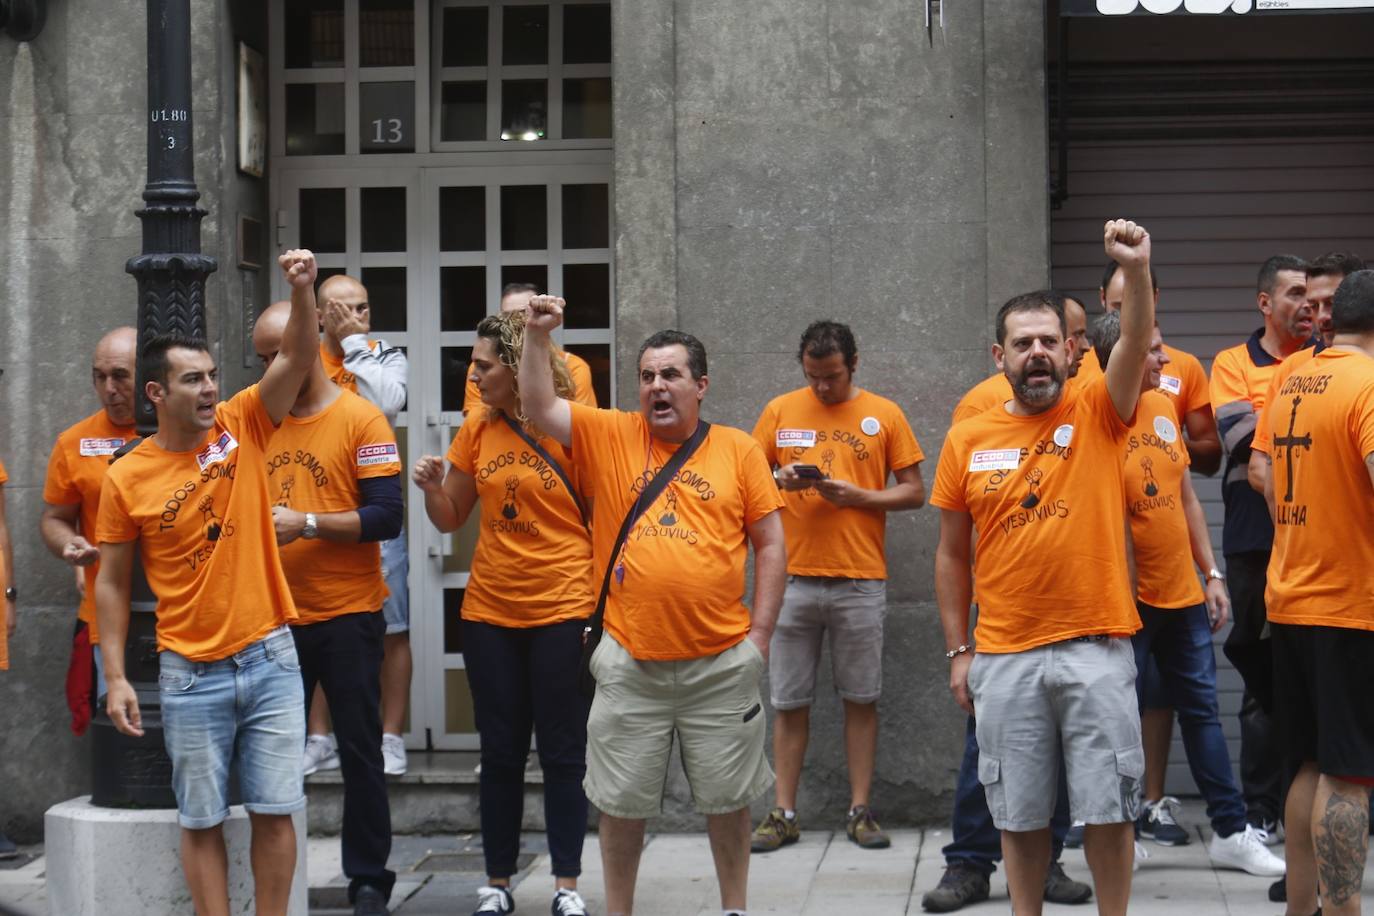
{"type": "Point", "coordinates": [1126, 243]}
{"type": "Point", "coordinates": [544, 313]}
{"type": "Point", "coordinates": [298, 265]}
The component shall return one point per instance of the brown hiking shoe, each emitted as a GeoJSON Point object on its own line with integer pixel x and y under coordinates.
{"type": "Point", "coordinates": [864, 830]}
{"type": "Point", "coordinates": [774, 832]}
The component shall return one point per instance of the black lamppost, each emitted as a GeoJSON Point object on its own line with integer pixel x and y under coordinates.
{"type": "Point", "coordinates": [171, 272]}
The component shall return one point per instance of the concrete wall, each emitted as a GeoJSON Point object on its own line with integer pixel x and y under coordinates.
{"type": "Point", "coordinates": [72, 168]}
{"type": "Point", "coordinates": [781, 161]}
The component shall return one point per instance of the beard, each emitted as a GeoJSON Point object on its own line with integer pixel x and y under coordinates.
{"type": "Point", "coordinates": [1041, 393]}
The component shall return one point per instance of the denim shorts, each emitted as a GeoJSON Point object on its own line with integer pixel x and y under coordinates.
{"type": "Point", "coordinates": [246, 711]}
{"type": "Point", "coordinates": [395, 572]}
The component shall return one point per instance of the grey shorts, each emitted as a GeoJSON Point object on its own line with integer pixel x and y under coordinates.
{"type": "Point", "coordinates": [1078, 695]}
{"type": "Point", "coordinates": [852, 611]}
{"type": "Point", "coordinates": [710, 704]}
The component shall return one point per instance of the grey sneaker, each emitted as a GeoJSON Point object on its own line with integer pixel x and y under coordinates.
{"type": "Point", "coordinates": [1060, 888]}
{"type": "Point", "coordinates": [864, 830]}
{"type": "Point", "coordinates": [959, 886]}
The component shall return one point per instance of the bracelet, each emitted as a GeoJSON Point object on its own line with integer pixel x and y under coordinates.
{"type": "Point", "coordinates": [959, 651]}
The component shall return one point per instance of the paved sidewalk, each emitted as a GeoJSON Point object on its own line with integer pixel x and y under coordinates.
{"type": "Point", "coordinates": [822, 874]}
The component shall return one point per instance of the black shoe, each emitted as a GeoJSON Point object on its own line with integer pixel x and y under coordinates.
{"type": "Point", "coordinates": [7, 848]}
{"type": "Point", "coordinates": [1278, 891]}
{"type": "Point", "coordinates": [959, 886]}
{"type": "Point", "coordinates": [1060, 888]}
{"type": "Point", "coordinates": [370, 902]}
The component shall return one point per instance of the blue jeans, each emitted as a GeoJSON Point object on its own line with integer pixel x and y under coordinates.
{"type": "Point", "coordinates": [1181, 643]}
{"type": "Point", "coordinates": [396, 572]}
{"type": "Point", "coordinates": [976, 841]}
{"type": "Point", "coordinates": [245, 711]}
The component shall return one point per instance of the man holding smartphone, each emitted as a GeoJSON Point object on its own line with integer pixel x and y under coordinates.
{"type": "Point", "coordinates": [834, 447]}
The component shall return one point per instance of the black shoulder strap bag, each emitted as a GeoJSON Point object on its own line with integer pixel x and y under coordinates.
{"type": "Point", "coordinates": [553, 465]}
{"type": "Point", "coordinates": [591, 635]}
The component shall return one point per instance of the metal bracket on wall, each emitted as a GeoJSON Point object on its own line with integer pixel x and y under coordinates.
{"type": "Point", "coordinates": [935, 11]}
{"type": "Point", "coordinates": [22, 20]}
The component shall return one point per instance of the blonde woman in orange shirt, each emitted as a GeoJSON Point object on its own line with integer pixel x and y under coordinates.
{"type": "Point", "coordinates": [527, 599]}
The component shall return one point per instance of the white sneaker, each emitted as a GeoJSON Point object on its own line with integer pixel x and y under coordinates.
{"type": "Point", "coordinates": [490, 899]}
{"type": "Point", "coordinates": [321, 753]}
{"type": "Point", "coordinates": [1270, 832]}
{"type": "Point", "coordinates": [1140, 856]}
{"type": "Point", "coordinates": [1245, 850]}
{"type": "Point", "coordinates": [567, 902]}
{"type": "Point", "coordinates": [393, 755]}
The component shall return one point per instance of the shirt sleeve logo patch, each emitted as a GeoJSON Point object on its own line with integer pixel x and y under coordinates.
{"type": "Point", "coordinates": [93, 447]}
{"type": "Point", "coordinates": [1063, 435]}
{"type": "Point", "coordinates": [995, 459]}
{"type": "Point", "coordinates": [1165, 429]}
{"type": "Point", "coordinates": [380, 453]}
{"type": "Point", "coordinates": [795, 438]}
{"type": "Point", "coordinates": [1170, 384]}
{"type": "Point", "coordinates": [216, 451]}
{"type": "Point", "coordinates": [870, 426]}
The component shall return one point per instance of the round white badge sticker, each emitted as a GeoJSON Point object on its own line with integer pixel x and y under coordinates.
{"type": "Point", "coordinates": [869, 425]}
{"type": "Point", "coordinates": [1164, 428]}
{"type": "Point", "coordinates": [1063, 435]}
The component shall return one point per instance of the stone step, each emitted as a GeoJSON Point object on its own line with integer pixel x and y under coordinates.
{"type": "Point", "coordinates": [437, 795]}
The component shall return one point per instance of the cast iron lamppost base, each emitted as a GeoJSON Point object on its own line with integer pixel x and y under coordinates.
{"type": "Point", "coordinates": [22, 20]}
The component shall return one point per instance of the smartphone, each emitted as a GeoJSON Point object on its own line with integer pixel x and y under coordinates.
{"type": "Point", "coordinates": [807, 472]}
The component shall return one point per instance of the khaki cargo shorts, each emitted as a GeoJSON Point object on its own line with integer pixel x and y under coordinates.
{"type": "Point", "coordinates": [711, 705]}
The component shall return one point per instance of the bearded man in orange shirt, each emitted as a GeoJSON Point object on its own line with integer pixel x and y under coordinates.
{"type": "Point", "coordinates": [1041, 480]}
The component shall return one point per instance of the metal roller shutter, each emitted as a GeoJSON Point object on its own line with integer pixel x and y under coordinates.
{"type": "Point", "coordinates": [1215, 210]}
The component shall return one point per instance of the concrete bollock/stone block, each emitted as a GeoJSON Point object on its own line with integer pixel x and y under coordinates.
{"type": "Point", "coordinates": [122, 862]}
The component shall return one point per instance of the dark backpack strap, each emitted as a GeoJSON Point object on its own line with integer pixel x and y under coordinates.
{"type": "Point", "coordinates": [552, 463]}
{"type": "Point", "coordinates": [591, 633]}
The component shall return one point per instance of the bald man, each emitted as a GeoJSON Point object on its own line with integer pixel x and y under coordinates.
{"type": "Point", "coordinates": [333, 474]}
{"type": "Point", "coordinates": [378, 372]}
{"type": "Point", "coordinates": [71, 494]}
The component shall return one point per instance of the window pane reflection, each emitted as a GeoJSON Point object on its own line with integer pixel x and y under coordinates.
{"type": "Point", "coordinates": [587, 287]}
{"type": "Point", "coordinates": [524, 109]}
{"type": "Point", "coordinates": [537, 275]}
{"type": "Point", "coordinates": [463, 219]}
{"type": "Point", "coordinates": [462, 297]}
{"type": "Point", "coordinates": [323, 219]}
{"type": "Point", "coordinates": [598, 357]}
{"type": "Point", "coordinates": [524, 222]}
{"type": "Point", "coordinates": [386, 33]}
{"type": "Point", "coordinates": [463, 111]}
{"type": "Point", "coordinates": [459, 718]}
{"type": "Point", "coordinates": [587, 33]}
{"type": "Point", "coordinates": [453, 377]}
{"type": "Point", "coordinates": [465, 37]}
{"type": "Point", "coordinates": [314, 119]}
{"type": "Point", "coordinates": [314, 34]}
{"type": "Point", "coordinates": [383, 219]}
{"type": "Point", "coordinates": [586, 216]}
{"type": "Point", "coordinates": [386, 295]}
{"type": "Point", "coordinates": [586, 108]}
{"type": "Point", "coordinates": [524, 35]}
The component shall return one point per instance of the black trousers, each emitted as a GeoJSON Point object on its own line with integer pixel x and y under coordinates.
{"type": "Point", "coordinates": [525, 678]}
{"type": "Point", "coordinates": [344, 656]}
{"type": "Point", "coordinates": [1261, 758]}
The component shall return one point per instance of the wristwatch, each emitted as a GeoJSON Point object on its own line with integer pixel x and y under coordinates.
{"type": "Point", "coordinates": [11, 594]}
{"type": "Point", "coordinates": [311, 528]}
{"type": "Point", "coordinates": [1215, 573]}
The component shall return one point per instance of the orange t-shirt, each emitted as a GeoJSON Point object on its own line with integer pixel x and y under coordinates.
{"type": "Point", "coordinates": [681, 594]}
{"type": "Point", "coordinates": [861, 441]}
{"type": "Point", "coordinates": [1263, 440]}
{"type": "Point", "coordinates": [4, 577]}
{"type": "Point", "coordinates": [578, 370]}
{"type": "Point", "coordinates": [533, 562]}
{"type": "Point", "coordinates": [1322, 430]}
{"type": "Point", "coordinates": [1184, 381]}
{"type": "Point", "coordinates": [1045, 494]}
{"type": "Point", "coordinates": [995, 390]}
{"type": "Point", "coordinates": [334, 367]}
{"type": "Point", "coordinates": [1156, 462]}
{"type": "Point", "coordinates": [203, 521]}
{"type": "Point", "coordinates": [314, 465]}
{"type": "Point", "coordinates": [76, 469]}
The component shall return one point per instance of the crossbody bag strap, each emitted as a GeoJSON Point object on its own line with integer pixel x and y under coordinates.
{"type": "Point", "coordinates": [641, 505]}
{"type": "Point", "coordinates": [552, 463]}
